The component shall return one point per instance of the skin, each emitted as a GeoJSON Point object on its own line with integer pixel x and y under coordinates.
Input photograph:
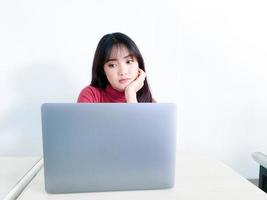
{"type": "Point", "coordinates": [123, 73]}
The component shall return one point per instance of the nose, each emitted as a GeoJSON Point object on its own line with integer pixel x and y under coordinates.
{"type": "Point", "coordinates": [123, 71]}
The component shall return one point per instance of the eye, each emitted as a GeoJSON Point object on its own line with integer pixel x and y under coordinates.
{"type": "Point", "coordinates": [111, 65]}
{"type": "Point", "coordinates": [130, 61]}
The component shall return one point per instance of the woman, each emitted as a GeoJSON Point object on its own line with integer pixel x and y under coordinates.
{"type": "Point", "coordinates": [118, 73]}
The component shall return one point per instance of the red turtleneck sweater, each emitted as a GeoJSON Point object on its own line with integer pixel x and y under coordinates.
{"type": "Point", "coordinates": [91, 94]}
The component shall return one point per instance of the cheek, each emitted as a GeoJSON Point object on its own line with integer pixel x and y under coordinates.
{"type": "Point", "coordinates": [134, 71]}
{"type": "Point", "coordinates": [108, 73]}
{"type": "Point", "coordinates": [135, 74]}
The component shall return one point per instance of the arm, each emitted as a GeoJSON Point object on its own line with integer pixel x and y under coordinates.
{"type": "Point", "coordinates": [130, 96]}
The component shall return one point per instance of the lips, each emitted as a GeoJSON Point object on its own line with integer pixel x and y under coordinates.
{"type": "Point", "coordinates": [125, 80]}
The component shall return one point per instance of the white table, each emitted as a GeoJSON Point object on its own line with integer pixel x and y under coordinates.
{"type": "Point", "coordinates": [197, 177]}
{"type": "Point", "coordinates": [13, 171]}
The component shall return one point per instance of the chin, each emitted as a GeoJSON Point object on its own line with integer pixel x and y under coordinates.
{"type": "Point", "coordinates": [122, 88]}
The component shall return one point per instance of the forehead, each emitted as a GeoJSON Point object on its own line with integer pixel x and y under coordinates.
{"type": "Point", "coordinates": [119, 51]}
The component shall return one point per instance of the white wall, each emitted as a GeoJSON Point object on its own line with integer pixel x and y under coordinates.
{"type": "Point", "coordinates": [208, 56]}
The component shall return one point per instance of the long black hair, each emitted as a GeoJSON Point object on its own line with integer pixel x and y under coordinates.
{"type": "Point", "coordinates": [102, 54]}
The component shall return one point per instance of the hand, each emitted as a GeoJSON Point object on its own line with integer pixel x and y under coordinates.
{"type": "Point", "coordinates": [138, 83]}
{"type": "Point", "coordinates": [135, 86]}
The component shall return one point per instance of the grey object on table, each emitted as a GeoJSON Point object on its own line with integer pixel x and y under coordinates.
{"type": "Point", "coordinates": [262, 160]}
{"type": "Point", "coordinates": [108, 147]}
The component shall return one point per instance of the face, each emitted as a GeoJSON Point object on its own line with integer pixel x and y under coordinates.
{"type": "Point", "coordinates": [121, 68]}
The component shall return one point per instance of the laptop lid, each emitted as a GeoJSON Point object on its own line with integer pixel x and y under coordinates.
{"type": "Point", "coordinates": [108, 146]}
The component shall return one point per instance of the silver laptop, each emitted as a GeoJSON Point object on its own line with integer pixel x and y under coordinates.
{"type": "Point", "coordinates": [91, 147]}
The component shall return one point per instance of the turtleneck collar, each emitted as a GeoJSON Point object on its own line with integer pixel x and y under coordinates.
{"type": "Point", "coordinates": [114, 94]}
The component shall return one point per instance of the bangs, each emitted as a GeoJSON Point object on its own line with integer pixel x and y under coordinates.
{"type": "Point", "coordinates": [113, 51]}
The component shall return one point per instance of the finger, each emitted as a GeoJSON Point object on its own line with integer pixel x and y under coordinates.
{"type": "Point", "coordinates": [140, 70]}
{"type": "Point", "coordinates": [143, 75]}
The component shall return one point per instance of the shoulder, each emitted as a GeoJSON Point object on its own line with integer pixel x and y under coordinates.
{"type": "Point", "coordinates": [90, 94]}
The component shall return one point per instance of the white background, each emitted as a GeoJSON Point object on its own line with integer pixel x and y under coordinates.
{"type": "Point", "coordinates": [208, 56]}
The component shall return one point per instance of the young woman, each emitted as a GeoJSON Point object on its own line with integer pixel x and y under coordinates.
{"type": "Point", "coordinates": [118, 73]}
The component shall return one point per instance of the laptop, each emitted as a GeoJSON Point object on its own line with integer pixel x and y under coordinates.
{"type": "Point", "coordinates": [96, 147]}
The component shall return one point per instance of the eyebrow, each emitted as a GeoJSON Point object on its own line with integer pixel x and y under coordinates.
{"type": "Point", "coordinates": [114, 59]}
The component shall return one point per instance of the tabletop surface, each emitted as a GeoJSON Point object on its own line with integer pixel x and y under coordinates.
{"type": "Point", "coordinates": [12, 169]}
{"type": "Point", "coordinates": [197, 177]}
